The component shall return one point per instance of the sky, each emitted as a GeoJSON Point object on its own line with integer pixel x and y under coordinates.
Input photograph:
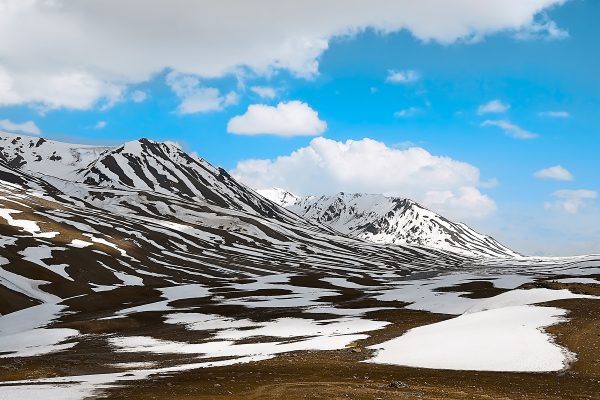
{"type": "Point", "coordinates": [485, 111]}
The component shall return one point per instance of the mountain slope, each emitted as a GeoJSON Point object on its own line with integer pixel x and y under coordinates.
{"type": "Point", "coordinates": [48, 157]}
{"type": "Point", "coordinates": [108, 279]}
{"type": "Point", "coordinates": [96, 241]}
{"type": "Point", "coordinates": [390, 220]}
{"type": "Point", "coordinates": [166, 169]}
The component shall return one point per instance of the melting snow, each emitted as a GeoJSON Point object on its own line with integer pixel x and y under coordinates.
{"type": "Point", "coordinates": [25, 224]}
{"type": "Point", "coordinates": [22, 333]}
{"type": "Point", "coordinates": [504, 339]}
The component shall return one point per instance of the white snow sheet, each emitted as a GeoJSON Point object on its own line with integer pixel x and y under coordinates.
{"type": "Point", "coordinates": [22, 333]}
{"type": "Point", "coordinates": [504, 339]}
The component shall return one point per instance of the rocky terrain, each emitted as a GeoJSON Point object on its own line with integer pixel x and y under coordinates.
{"type": "Point", "coordinates": [390, 220]}
{"type": "Point", "coordinates": [140, 271]}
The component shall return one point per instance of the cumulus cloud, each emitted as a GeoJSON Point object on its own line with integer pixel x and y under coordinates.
{"type": "Point", "coordinates": [196, 98]}
{"type": "Point", "coordinates": [407, 112]}
{"type": "Point", "coordinates": [510, 129]}
{"type": "Point", "coordinates": [293, 118]}
{"type": "Point", "coordinates": [29, 127]}
{"type": "Point", "coordinates": [100, 125]}
{"type": "Point", "coordinates": [265, 92]}
{"type": "Point", "coordinates": [369, 166]}
{"type": "Point", "coordinates": [555, 114]}
{"type": "Point", "coordinates": [571, 201]}
{"type": "Point", "coordinates": [407, 76]}
{"type": "Point", "coordinates": [557, 173]}
{"type": "Point", "coordinates": [79, 54]}
{"type": "Point", "coordinates": [493, 107]}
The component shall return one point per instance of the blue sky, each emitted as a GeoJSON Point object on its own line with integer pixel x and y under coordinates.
{"type": "Point", "coordinates": [541, 74]}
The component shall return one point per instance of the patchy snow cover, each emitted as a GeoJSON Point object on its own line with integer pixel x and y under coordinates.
{"type": "Point", "coordinates": [307, 334]}
{"type": "Point", "coordinates": [344, 283]}
{"type": "Point", "coordinates": [80, 243]}
{"type": "Point", "coordinates": [22, 333]}
{"type": "Point", "coordinates": [504, 339]}
{"type": "Point", "coordinates": [298, 296]}
{"type": "Point", "coordinates": [82, 387]}
{"type": "Point", "coordinates": [25, 225]}
{"type": "Point", "coordinates": [499, 333]}
{"type": "Point", "coordinates": [170, 293]}
{"type": "Point", "coordinates": [585, 281]}
{"type": "Point", "coordinates": [37, 255]}
{"type": "Point", "coordinates": [423, 294]}
{"type": "Point", "coordinates": [520, 297]}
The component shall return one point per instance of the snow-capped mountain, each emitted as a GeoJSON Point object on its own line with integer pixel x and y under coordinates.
{"type": "Point", "coordinates": [146, 214]}
{"type": "Point", "coordinates": [393, 220]}
{"type": "Point", "coordinates": [160, 167]}
{"type": "Point", "coordinates": [146, 250]}
{"type": "Point", "coordinates": [163, 167]}
{"type": "Point", "coordinates": [279, 196]}
{"type": "Point", "coordinates": [48, 157]}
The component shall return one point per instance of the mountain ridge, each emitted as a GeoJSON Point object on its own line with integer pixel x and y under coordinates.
{"type": "Point", "coordinates": [95, 174]}
{"type": "Point", "coordinates": [390, 220]}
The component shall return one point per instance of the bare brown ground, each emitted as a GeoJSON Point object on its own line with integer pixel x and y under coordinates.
{"type": "Point", "coordinates": [341, 375]}
{"type": "Point", "coordinates": [322, 374]}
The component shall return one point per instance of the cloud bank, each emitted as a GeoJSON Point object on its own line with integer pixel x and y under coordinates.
{"type": "Point", "coordinates": [367, 166]}
{"type": "Point", "coordinates": [29, 127]}
{"type": "Point", "coordinates": [82, 54]}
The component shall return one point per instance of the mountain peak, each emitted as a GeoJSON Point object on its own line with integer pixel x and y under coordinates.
{"type": "Point", "coordinates": [279, 196]}
{"type": "Point", "coordinates": [396, 220]}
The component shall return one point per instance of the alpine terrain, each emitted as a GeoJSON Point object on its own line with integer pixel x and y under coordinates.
{"type": "Point", "coordinates": [389, 220]}
{"type": "Point", "coordinates": [140, 271]}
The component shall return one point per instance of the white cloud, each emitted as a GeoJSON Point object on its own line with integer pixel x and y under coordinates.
{"type": "Point", "coordinates": [293, 118]}
{"type": "Point", "coordinates": [494, 106]}
{"type": "Point", "coordinates": [555, 114]}
{"type": "Point", "coordinates": [75, 89]}
{"type": "Point", "coordinates": [557, 173]}
{"type": "Point", "coordinates": [79, 54]}
{"type": "Point", "coordinates": [368, 166]}
{"type": "Point", "coordinates": [196, 98]}
{"type": "Point", "coordinates": [407, 112]}
{"type": "Point", "coordinates": [28, 127]}
{"type": "Point", "coordinates": [510, 129]}
{"type": "Point", "coordinates": [138, 96]}
{"type": "Point", "coordinates": [101, 125]}
{"type": "Point", "coordinates": [265, 92]}
{"type": "Point", "coordinates": [407, 76]}
{"type": "Point", "coordinates": [543, 28]}
{"type": "Point", "coordinates": [571, 201]}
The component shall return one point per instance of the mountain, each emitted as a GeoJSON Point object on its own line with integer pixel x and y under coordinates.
{"type": "Point", "coordinates": [138, 262]}
{"type": "Point", "coordinates": [48, 157]}
{"type": "Point", "coordinates": [146, 214]}
{"type": "Point", "coordinates": [393, 220]}
{"type": "Point", "coordinates": [166, 169]}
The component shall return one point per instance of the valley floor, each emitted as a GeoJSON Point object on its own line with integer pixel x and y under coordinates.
{"type": "Point", "coordinates": [326, 374]}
